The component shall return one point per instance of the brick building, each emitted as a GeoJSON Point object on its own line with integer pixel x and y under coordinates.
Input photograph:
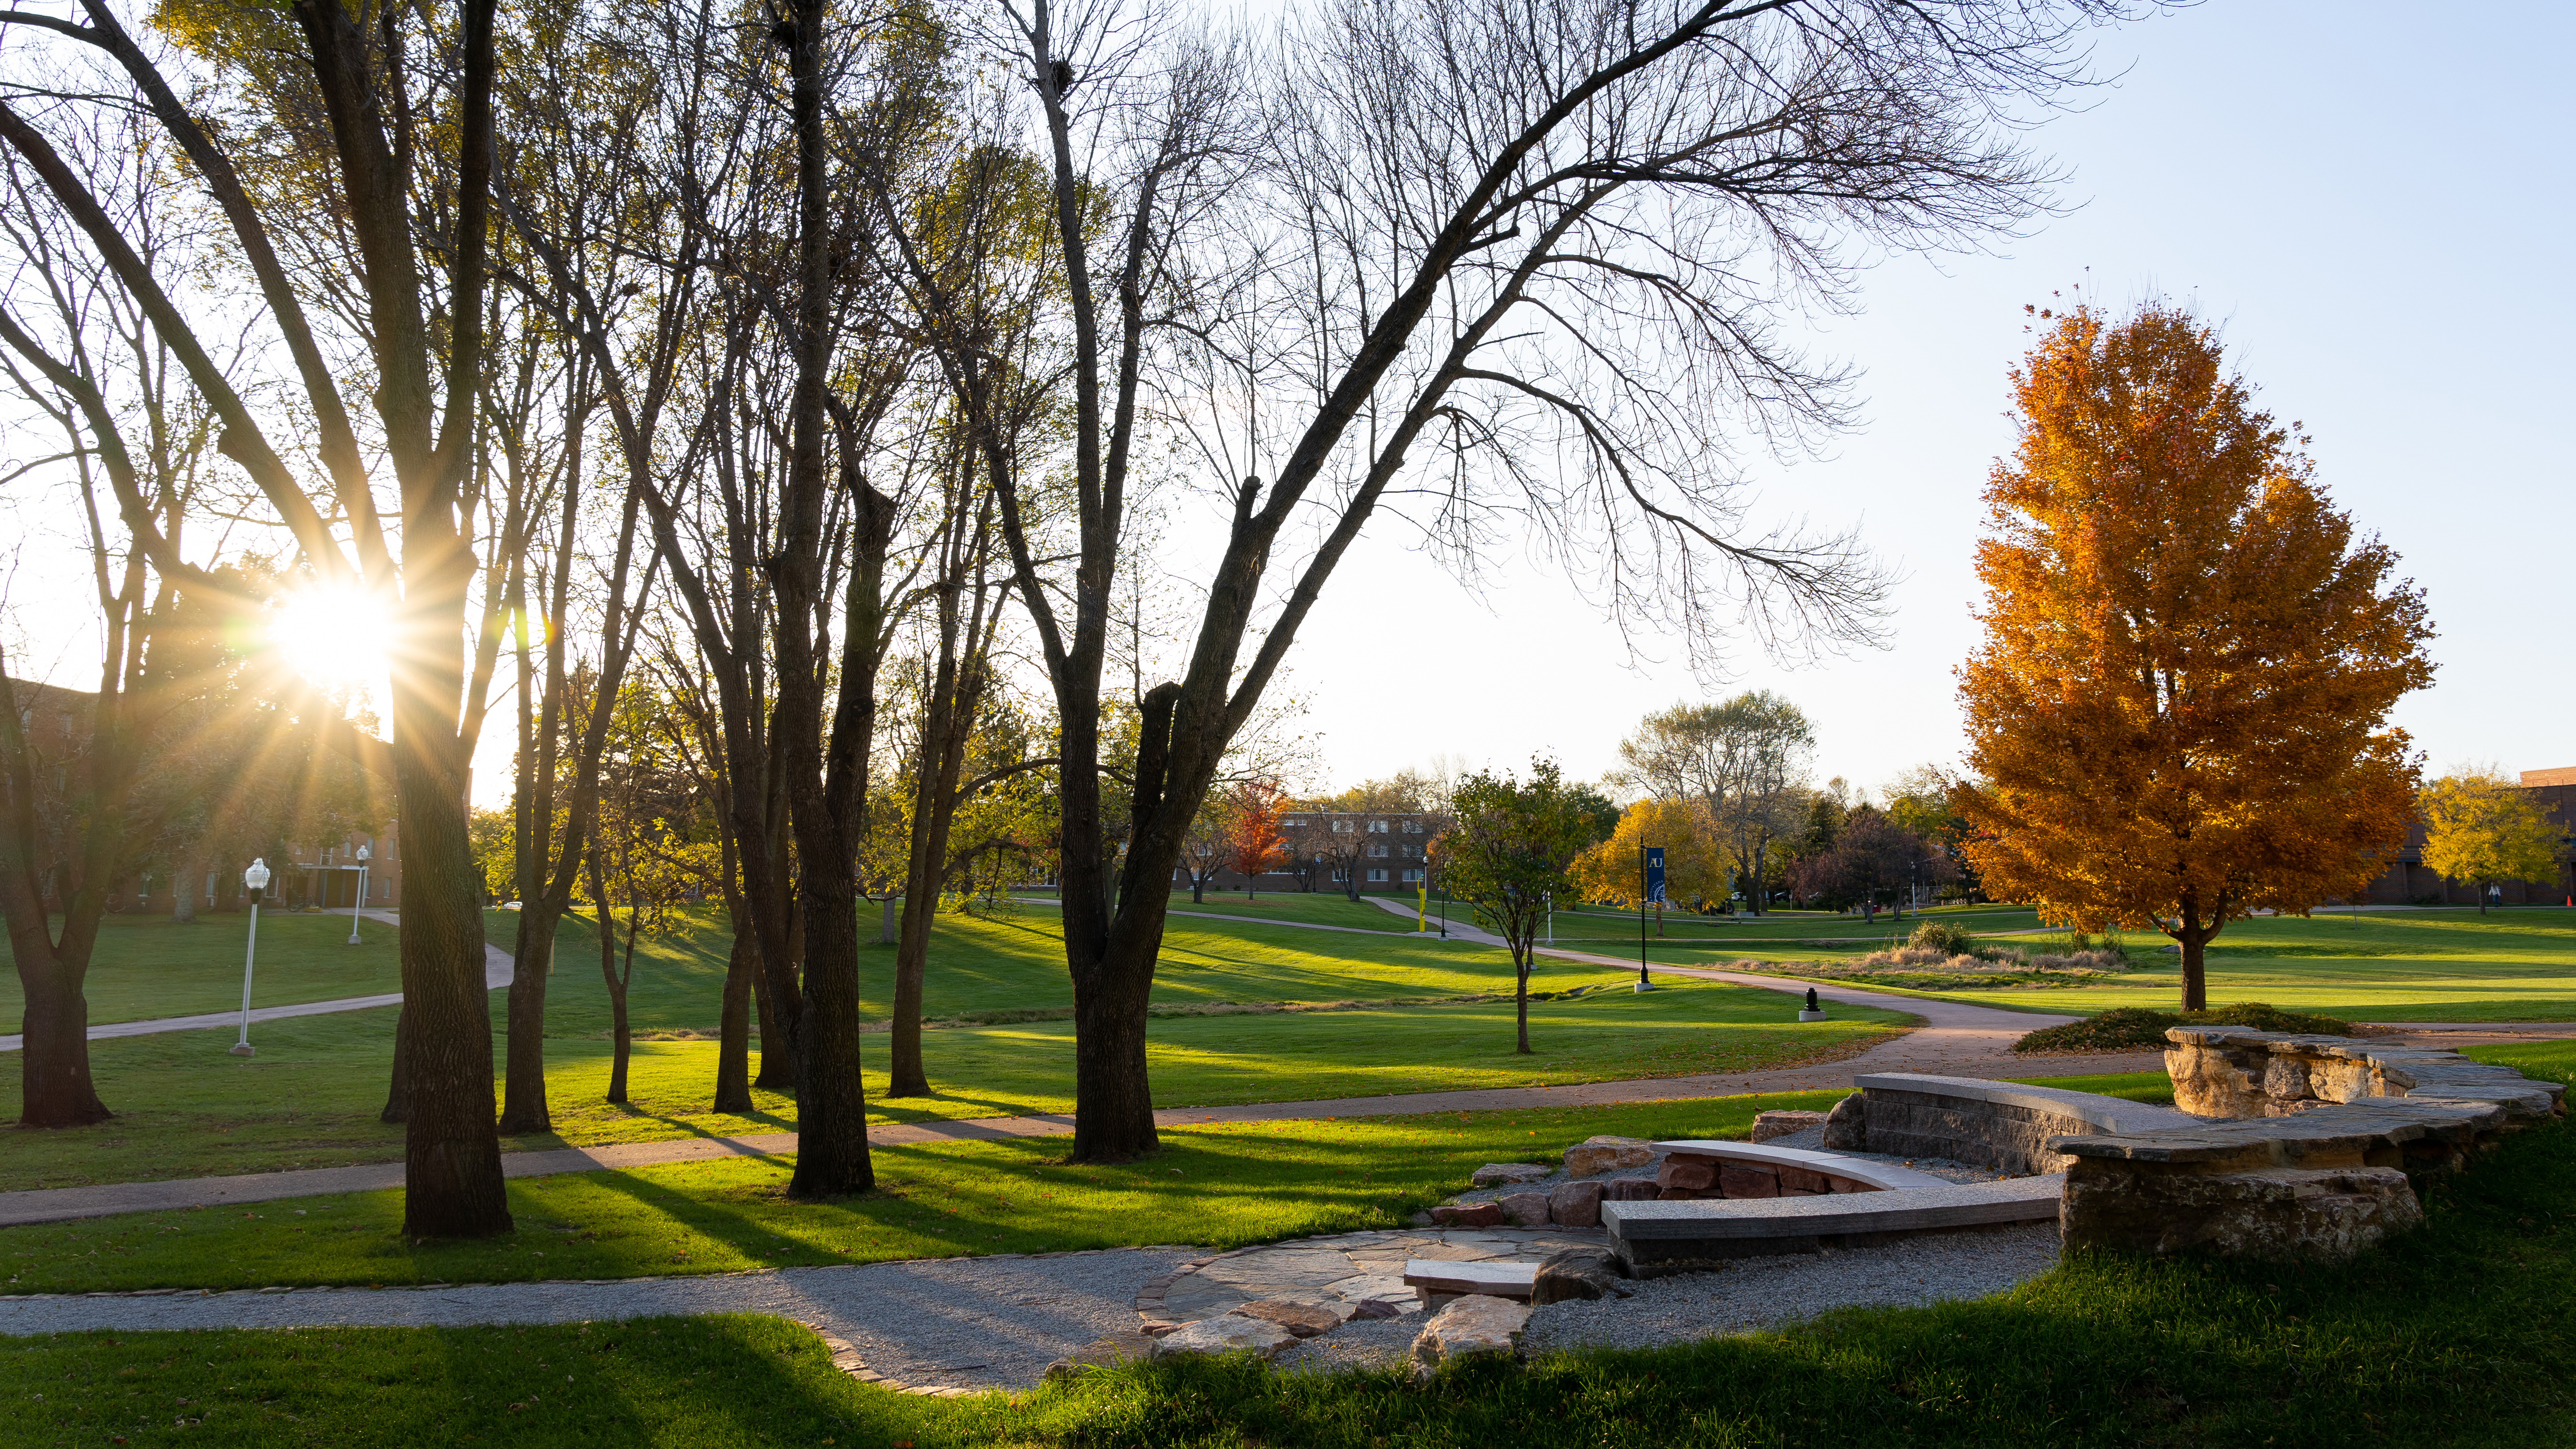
{"type": "Point", "coordinates": [2408, 881]}
{"type": "Point", "coordinates": [1384, 846]}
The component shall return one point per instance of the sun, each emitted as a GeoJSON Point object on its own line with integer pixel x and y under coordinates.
{"type": "Point", "coordinates": [332, 634]}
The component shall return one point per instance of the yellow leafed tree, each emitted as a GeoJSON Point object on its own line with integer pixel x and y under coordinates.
{"type": "Point", "coordinates": [2483, 828]}
{"type": "Point", "coordinates": [2179, 713]}
{"type": "Point", "coordinates": [1693, 865]}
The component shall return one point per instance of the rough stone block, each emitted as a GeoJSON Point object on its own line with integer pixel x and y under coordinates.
{"type": "Point", "coordinates": [1596, 1155]}
{"type": "Point", "coordinates": [2285, 1079]}
{"type": "Point", "coordinates": [1302, 1319]}
{"type": "Point", "coordinates": [1687, 1174]}
{"type": "Point", "coordinates": [1770, 1125]}
{"type": "Point", "coordinates": [1745, 1179]}
{"type": "Point", "coordinates": [1468, 1215]}
{"type": "Point", "coordinates": [1799, 1179]}
{"type": "Point", "coordinates": [1501, 1174]}
{"type": "Point", "coordinates": [1631, 1189]}
{"type": "Point", "coordinates": [1572, 1273]}
{"type": "Point", "coordinates": [1847, 1125]}
{"type": "Point", "coordinates": [1525, 1209]}
{"type": "Point", "coordinates": [1225, 1333]}
{"type": "Point", "coordinates": [1475, 1324]}
{"type": "Point", "coordinates": [1846, 1184]}
{"type": "Point", "coordinates": [2208, 1084]}
{"type": "Point", "coordinates": [1576, 1205]}
{"type": "Point", "coordinates": [2281, 1212]}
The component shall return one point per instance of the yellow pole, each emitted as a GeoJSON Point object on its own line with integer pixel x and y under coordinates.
{"type": "Point", "coordinates": [1422, 903]}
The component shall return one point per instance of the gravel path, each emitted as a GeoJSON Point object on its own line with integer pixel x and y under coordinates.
{"type": "Point", "coordinates": [963, 1323]}
{"type": "Point", "coordinates": [1745, 1297]}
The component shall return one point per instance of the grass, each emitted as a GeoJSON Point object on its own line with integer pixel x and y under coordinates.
{"type": "Point", "coordinates": [1222, 1185]}
{"type": "Point", "coordinates": [147, 966]}
{"type": "Point", "coordinates": [2455, 1335]}
{"type": "Point", "coordinates": [310, 1098]}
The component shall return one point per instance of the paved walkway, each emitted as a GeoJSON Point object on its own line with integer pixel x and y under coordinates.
{"type": "Point", "coordinates": [497, 971]}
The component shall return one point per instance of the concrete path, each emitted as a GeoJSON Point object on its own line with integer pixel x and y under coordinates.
{"type": "Point", "coordinates": [497, 971]}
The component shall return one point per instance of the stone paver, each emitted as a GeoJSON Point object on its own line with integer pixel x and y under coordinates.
{"type": "Point", "coordinates": [1346, 1268]}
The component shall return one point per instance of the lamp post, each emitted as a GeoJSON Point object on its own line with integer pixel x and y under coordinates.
{"type": "Point", "coordinates": [255, 881]}
{"type": "Point", "coordinates": [361, 897]}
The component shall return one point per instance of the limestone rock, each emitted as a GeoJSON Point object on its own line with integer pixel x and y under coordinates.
{"type": "Point", "coordinates": [2213, 1084]}
{"type": "Point", "coordinates": [1576, 1273]}
{"type": "Point", "coordinates": [1799, 1182]}
{"type": "Point", "coordinates": [1500, 1174]}
{"type": "Point", "coordinates": [1847, 1126]}
{"type": "Point", "coordinates": [2280, 1212]}
{"type": "Point", "coordinates": [1576, 1205]}
{"type": "Point", "coordinates": [1468, 1215]}
{"type": "Point", "coordinates": [1770, 1125]}
{"type": "Point", "coordinates": [1525, 1209]}
{"type": "Point", "coordinates": [1631, 1189]}
{"type": "Point", "coordinates": [1747, 1179]}
{"type": "Point", "coordinates": [1474, 1324]}
{"type": "Point", "coordinates": [1688, 1174]}
{"type": "Point", "coordinates": [1225, 1333]}
{"type": "Point", "coordinates": [1371, 1308]}
{"type": "Point", "coordinates": [1302, 1319]}
{"type": "Point", "coordinates": [1594, 1156]}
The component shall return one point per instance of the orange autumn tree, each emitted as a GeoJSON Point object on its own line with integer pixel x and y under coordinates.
{"type": "Point", "coordinates": [2179, 714]}
{"type": "Point", "coordinates": [1253, 810]}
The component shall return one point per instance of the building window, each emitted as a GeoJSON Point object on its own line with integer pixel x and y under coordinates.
{"type": "Point", "coordinates": [1293, 822]}
{"type": "Point", "coordinates": [1413, 827]}
{"type": "Point", "coordinates": [1341, 875]}
{"type": "Point", "coordinates": [1344, 827]}
{"type": "Point", "coordinates": [1378, 851]}
{"type": "Point", "coordinates": [1412, 877]}
{"type": "Point", "coordinates": [1377, 875]}
{"type": "Point", "coordinates": [1377, 827]}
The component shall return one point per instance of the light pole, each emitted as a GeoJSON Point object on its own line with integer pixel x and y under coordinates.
{"type": "Point", "coordinates": [254, 880]}
{"type": "Point", "coordinates": [361, 897]}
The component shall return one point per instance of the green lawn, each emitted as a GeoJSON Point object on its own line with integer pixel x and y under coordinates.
{"type": "Point", "coordinates": [147, 966]}
{"type": "Point", "coordinates": [1611, 926]}
{"type": "Point", "coordinates": [1219, 1185]}
{"type": "Point", "coordinates": [2430, 965]}
{"type": "Point", "coordinates": [310, 1097]}
{"type": "Point", "coordinates": [2457, 1334]}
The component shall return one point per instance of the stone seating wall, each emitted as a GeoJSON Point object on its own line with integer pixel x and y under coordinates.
{"type": "Point", "coordinates": [1993, 1124]}
{"type": "Point", "coordinates": [2300, 1146]}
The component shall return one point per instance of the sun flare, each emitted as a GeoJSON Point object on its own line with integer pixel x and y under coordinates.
{"type": "Point", "coordinates": [333, 635]}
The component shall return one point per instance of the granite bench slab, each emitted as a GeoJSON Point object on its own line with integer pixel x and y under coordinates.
{"type": "Point", "coordinates": [1664, 1237]}
{"type": "Point", "coordinates": [1882, 1175]}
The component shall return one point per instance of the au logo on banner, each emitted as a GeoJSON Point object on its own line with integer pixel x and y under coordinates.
{"type": "Point", "coordinates": [1655, 874]}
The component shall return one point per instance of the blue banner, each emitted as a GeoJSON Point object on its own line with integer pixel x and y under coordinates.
{"type": "Point", "coordinates": [1655, 874]}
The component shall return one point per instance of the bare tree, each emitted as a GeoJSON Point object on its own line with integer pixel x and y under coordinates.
{"type": "Point", "coordinates": [1500, 261]}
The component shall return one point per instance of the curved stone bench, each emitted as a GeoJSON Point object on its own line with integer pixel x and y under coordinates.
{"type": "Point", "coordinates": [1655, 1238]}
{"type": "Point", "coordinates": [2001, 1125]}
{"type": "Point", "coordinates": [1841, 1174]}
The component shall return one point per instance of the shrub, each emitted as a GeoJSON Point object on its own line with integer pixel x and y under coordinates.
{"type": "Point", "coordinates": [2137, 1028]}
{"type": "Point", "coordinates": [1946, 937]}
{"type": "Point", "coordinates": [2128, 1028]}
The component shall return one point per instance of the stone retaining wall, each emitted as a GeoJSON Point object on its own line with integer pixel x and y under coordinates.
{"type": "Point", "coordinates": [1992, 1124]}
{"type": "Point", "coordinates": [2303, 1145]}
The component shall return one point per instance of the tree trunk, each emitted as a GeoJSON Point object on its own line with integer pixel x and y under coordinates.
{"type": "Point", "coordinates": [733, 1033]}
{"type": "Point", "coordinates": [1114, 1097]}
{"type": "Point", "coordinates": [54, 1077]}
{"type": "Point", "coordinates": [2195, 975]}
{"type": "Point", "coordinates": [606, 919]}
{"type": "Point", "coordinates": [777, 1071]}
{"type": "Point", "coordinates": [183, 894]}
{"type": "Point", "coordinates": [451, 1150]}
{"type": "Point", "coordinates": [1520, 976]}
{"type": "Point", "coordinates": [398, 1083]}
{"type": "Point", "coordinates": [524, 1108]}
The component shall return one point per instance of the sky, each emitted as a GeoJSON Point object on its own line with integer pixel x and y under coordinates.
{"type": "Point", "coordinates": [2371, 201]}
